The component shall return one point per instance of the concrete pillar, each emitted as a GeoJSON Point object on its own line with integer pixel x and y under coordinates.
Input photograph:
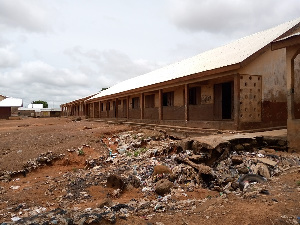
{"type": "Point", "coordinates": [93, 110]}
{"type": "Point", "coordinates": [236, 101]}
{"type": "Point", "coordinates": [127, 109]}
{"type": "Point", "coordinates": [99, 109]}
{"type": "Point", "coordinates": [186, 102]}
{"type": "Point", "coordinates": [142, 105]}
{"type": "Point", "coordinates": [293, 125]}
{"type": "Point", "coordinates": [116, 108]}
{"type": "Point", "coordinates": [160, 105]}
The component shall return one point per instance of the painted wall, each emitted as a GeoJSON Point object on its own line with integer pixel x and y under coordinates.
{"type": "Point", "coordinates": [5, 112]}
{"type": "Point", "coordinates": [271, 66]}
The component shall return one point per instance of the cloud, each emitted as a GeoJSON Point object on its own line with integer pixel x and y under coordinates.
{"type": "Point", "coordinates": [228, 16]}
{"type": "Point", "coordinates": [38, 80]}
{"type": "Point", "coordinates": [29, 15]}
{"type": "Point", "coordinates": [111, 65]}
{"type": "Point", "coordinates": [8, 58]}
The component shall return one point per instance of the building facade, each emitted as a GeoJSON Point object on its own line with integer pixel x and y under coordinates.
{"type": "Point", "coordinates": [238, 86]}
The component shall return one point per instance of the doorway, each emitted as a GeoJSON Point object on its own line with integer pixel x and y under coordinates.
{"type": "Point", "coordinates": [223, 104]}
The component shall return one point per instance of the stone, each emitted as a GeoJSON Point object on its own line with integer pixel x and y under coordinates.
{"type": "Point", "coordinates": [160, 169]}
{"type": "Point", "coordinates": [105, 202]}
{"type": "Point", "coordinates": [237, 159]}
{"type": "Point", "coordinates": [243, 170]}
{"type": "Point", "coordinates": [163, 187]}
{"type": "Point", "coordinates": [263, 170]}
{"type": "Point", "coordinates": [267, 161]}
{"type": "Point", "coordinates": [116, 182]}
{"type": "Point", "coordinates": [239, 147]}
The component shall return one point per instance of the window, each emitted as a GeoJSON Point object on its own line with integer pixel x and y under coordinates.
{"type": "Point", "coordinates": [135, 103]}
{"type": "Point", "coordinates": [168, 99]}
{"type": "Point", "coordinates": [101, 107]}
{"type": "Point", "coordinates": [194, 95]}
{"type": "Point", "coordinates": [150, 101]}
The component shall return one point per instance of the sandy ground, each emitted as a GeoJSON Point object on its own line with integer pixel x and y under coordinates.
{"type": "Point", "coordinates": [22, 140]}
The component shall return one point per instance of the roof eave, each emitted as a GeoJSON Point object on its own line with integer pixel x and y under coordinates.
{"type": "Point", "coordinates": [175, 82]}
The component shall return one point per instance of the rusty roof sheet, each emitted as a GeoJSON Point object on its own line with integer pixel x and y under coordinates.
{"type": "Point", "coordinates": [230, 54]}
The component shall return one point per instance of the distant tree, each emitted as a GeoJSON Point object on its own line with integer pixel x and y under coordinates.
{"type": "Point", "coordinates": [45, 104]}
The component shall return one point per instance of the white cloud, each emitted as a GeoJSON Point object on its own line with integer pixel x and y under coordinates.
{"type": "Point", "coordinates": [112, 65]}
{"type": "Point", "coordinates": [231, 16]}
{"type": "Point", "coordinates": [8, 58]}
{"type": "Point", "coordinates": [30, 15]}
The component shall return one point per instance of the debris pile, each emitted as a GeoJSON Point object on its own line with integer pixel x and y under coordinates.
{"type": "Point", "coordinates": [163, 171]}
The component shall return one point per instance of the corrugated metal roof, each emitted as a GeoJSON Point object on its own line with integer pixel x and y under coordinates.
{"type": "Point", "coordinates": [292, 35]}
{"type": "Point", "coordinates": [11, 102]}
{"type": "Point", "coordinates": [230, 54]}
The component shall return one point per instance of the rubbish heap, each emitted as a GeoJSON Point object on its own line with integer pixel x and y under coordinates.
{"type": "Point", "coordinates": [164, 170]}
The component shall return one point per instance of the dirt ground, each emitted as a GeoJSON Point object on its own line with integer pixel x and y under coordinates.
{"type": "Point", "coordinates": [24, 140]}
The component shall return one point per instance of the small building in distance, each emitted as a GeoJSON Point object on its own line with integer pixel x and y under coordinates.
{"type": "Point", "coordinates": [9, 106]}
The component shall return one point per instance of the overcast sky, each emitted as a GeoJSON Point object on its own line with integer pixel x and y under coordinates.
{"type": "Point", "coordinates": [61, 50]}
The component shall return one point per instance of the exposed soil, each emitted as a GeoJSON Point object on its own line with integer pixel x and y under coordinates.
{"type": "Point", "coordinates": [45, 188]}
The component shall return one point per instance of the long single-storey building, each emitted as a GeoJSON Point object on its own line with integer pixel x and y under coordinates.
{"type": "Point", "coordinates": [242, 85]}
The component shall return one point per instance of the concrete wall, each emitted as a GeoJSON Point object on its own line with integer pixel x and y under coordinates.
{"type": "Point", "coordinates": [5, 112]}
{"type": "Point", "coordinates": [297, 87]}
{"type": "Point", "coordinates": [271, 66]}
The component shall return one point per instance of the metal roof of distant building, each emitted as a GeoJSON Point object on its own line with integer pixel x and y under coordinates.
{"type": "Point", "coordinates": [11, 102]}
{"type": "Point", "coordinates": [230, 54]}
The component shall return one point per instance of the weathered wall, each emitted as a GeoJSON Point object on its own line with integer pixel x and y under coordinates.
{"type": "Point", "coordinates": [5, 112]}
{"type": "Point", "coordinates": [201, 112]}
{"type": "Point", "coordinates": [179, 96]}
{"type": "Point", "coordinates": [297, 87]}
{"type": "Point", "coordinates": [151, 113]}
{"type": "Point", "coordinates": [134, 113]}
{"type": "Point", "coordinates": [250, 98]}
{"type": "Point", "coordinates": [173, 112]}
{"type": "Point", "coordinates": [271, 66]}
{"type": "Point", "coordinates": [97, 111]}
{"type": "Point", "coordinates": [207, 94]}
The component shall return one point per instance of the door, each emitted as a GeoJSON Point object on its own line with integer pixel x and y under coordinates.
{"type": "Point", "coordinates": [223, 101]}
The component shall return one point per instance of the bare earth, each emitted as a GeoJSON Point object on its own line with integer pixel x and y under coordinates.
{"type": "Point", "coordinates": [45, 188]}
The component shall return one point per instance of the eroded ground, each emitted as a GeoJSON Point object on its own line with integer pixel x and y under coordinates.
{"type": "Point", "coordinates": [55, 171]}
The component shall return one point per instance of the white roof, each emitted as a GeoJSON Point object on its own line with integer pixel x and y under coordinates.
{"type": "Point", "coordinates": [11, 102]}
{"type": "Point", "coordinates": [230, 54]}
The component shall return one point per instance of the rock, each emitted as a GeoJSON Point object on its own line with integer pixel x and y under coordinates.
{"type": "Point", "coordinates": [198, 158]}
{"type": "Point", "coordinates": [116, 182]}
{"type": "Point", "coordinates": [267, 161]}
{"type": "Point", "coordinates": [105, 202]}
{"type": "Point", "coordinates": [263, 152]}
{"type": "Point", "coordinates": [263, 170]}
{"type": "Point", "coordinates": [163, 187]}
{"type": "Point", "coordinates": [160, 169]}
{"type": "Point", "coordinates": [243, 170]}
{"type": "Point", "coordinates": [237, 159]}
{"type": "Point", "coordinates": [239, 147]}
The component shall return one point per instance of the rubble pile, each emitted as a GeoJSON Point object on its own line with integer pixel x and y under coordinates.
{"type": "Point", "coordinates": [164, 171]}
{"type": "Point", "coordinates": [43, 159]}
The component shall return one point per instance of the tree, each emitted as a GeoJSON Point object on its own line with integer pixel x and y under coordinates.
{"type": "Point", "coordinates": [45, 104]}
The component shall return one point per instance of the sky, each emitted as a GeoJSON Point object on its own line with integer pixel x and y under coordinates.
{"type": "Point", "coordinates": [61, 50]}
